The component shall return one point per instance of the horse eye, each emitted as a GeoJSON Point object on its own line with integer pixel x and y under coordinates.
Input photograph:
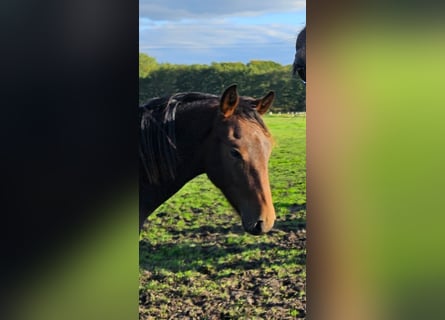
{"type": "Point", "coordinates": [235, 153]}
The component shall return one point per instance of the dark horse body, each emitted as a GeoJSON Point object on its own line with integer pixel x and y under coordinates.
{"type": "Point", "coordinates": [188, 134]}
{"type": "Point", "coordinates": [299, 65]}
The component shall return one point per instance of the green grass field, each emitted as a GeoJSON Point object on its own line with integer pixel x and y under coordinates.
{"type": "Point", "coordinates": [196, 261]}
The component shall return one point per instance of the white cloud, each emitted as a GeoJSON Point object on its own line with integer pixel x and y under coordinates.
{"type": "Point", "coordinates": [194, 31]}
{"type": "Point", "coordinates": [193, 9]}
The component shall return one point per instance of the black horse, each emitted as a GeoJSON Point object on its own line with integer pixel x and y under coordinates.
{"type": "Point", "coordinates": [300, 55]}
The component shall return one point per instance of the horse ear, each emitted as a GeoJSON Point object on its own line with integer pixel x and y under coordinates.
{"type": "Point", "coordinates": [265, 103]}
{"type": "Point", "coordinates": [229, 101]}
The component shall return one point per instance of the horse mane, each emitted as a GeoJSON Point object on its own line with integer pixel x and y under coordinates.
{"type": "Point", "coordinates": [157, 147]}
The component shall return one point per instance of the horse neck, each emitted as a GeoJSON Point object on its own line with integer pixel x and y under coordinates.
{"type": "Point", "coordinates": [193, 130]}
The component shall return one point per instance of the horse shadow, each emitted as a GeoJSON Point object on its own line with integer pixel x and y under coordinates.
{"type": "Point", "coordinates": [205, 249]}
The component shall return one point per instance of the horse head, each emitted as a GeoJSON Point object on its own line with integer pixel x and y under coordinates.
{"type": "Point", "coordinates": [299, 65]}
{"type": "Point", "coordinates": [238, 162]}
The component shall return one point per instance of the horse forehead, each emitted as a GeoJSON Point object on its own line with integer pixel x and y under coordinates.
{"type": "Point", "coordinates": [246, 131]}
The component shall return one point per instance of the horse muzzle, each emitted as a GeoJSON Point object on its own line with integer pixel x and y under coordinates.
{"type": "Point", "coordinates": [259, 227]}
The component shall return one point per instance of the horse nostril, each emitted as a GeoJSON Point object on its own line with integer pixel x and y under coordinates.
{"type": "Point", "coordinates": [302, 73]}
{"type": "Point", "coordinates": [258, 229]}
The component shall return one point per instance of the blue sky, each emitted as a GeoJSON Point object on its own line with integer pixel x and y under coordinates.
{"type": "Point", "coordinates": [196, 31]}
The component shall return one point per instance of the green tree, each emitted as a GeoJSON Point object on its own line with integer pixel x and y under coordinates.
{"type": "Point", "coordinates": [147, 64]}
{"type": "Point", "coordinates": [254, 79]}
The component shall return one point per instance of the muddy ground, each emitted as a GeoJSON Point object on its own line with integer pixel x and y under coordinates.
{"type": "Point", "coordinates": [220, 272]}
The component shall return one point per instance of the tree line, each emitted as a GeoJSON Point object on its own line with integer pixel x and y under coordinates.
{"type": "Point", "coordinates": [255, 79]}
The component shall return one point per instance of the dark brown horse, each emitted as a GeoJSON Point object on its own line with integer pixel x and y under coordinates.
{"type": "Point", "coordinates": [300, 55]}
{"type": "Point", "coordinates": [188, 134]}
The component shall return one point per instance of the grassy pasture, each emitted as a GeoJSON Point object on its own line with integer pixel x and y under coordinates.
{"type": "Point", "coordinates": [196, 262]}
